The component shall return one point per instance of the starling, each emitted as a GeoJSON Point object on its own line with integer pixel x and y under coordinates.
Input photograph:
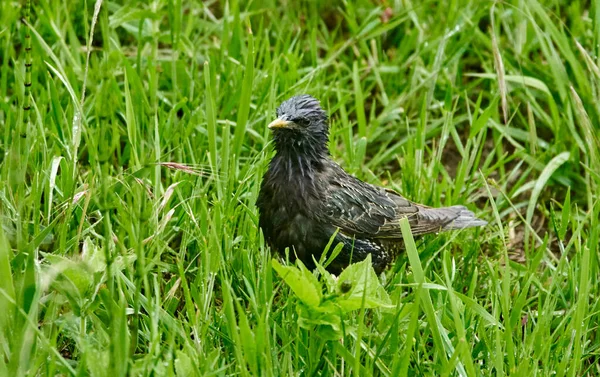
{"type": "Point", "coordinates": [305, 197]}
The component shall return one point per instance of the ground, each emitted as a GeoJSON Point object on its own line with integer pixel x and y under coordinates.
{"type": "Point", "coordinates": [131, 165]}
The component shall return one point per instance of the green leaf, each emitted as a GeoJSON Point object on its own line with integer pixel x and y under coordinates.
{"type": "Point", "coordinates": [365, 289]}
{"type": "Point", "coordinates": [245, 97]}
{"type": "Point", "coordinates": [93, 256]}
{"type": "Point", "coordinates": [304, 284]}
{"type": "Point", "coordinates": [330, 282]}
{"type": "Point", "coordinates": [554, 164]}
{"type": "Point", "coordinates": [7, 288]}
{"type": "Point", "coordinates": [566, 215]}
{"type": "Point", "coordinates": [483, 119]}
{"type": "Point", "coordinates": [184, 366]}
{"type": "Point", "coordinates": [66, 274]}
{"type": "Point", "coordinates": [528, 81]}
{"type": "Point", "coordinates": [327, 325]}
{"type": "Point", "coordinates": [360, 105]}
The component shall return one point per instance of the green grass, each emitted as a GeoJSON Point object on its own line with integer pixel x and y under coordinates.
{"type": "Point", "coordinates": [129, 242]}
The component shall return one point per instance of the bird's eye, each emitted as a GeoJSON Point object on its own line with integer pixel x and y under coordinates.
{"type": "Point", "coordinates": [300, 121]}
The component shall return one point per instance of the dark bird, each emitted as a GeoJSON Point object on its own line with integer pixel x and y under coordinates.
{"type": "Point", "coordinates": [305, 197]}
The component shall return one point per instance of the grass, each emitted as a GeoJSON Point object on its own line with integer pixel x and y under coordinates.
{"type": "Point", "coordinates": [129, 242]}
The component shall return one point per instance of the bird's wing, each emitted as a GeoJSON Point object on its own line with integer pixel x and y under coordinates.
{"type": "Point", "coordinates": [357, 208]}
{"type": "Point", "coordinates": [361, 209]}
{"type": "Point", "coordinates": [428, 220]}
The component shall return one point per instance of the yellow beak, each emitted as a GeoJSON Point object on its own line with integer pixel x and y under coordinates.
{"type": "Point", "coordinates": [279, 123]}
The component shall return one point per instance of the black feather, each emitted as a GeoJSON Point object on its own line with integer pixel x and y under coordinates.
{"type": "Point", "coordinates": [305, 197]}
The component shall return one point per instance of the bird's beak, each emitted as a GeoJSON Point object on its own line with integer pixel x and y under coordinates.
{"type": "Point", "coordinates": [279, 123]}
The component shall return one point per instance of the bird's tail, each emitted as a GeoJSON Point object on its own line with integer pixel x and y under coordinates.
{"type": "Point", "coordinates": [464, 219]}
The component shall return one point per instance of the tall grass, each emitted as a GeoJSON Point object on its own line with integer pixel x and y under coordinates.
{"type": "Point", "coordinates": [129, 242]}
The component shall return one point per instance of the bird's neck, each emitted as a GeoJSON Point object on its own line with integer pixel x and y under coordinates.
{"type": "Point", "coordinates": [299, 160]}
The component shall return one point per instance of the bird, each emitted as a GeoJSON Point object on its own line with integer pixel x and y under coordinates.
{"type": "Point", "coordinates": [306, 198]}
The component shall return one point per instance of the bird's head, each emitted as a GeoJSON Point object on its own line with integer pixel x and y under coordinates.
{"type": "Point", "coordinates": [301, 124]}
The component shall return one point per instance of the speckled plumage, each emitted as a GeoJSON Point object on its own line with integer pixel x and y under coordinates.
{"type": "Point", "coordinates": [305, 197]}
